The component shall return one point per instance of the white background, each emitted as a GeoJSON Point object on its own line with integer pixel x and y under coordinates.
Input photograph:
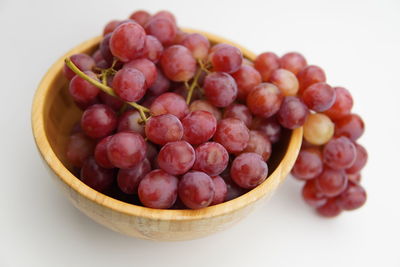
{"type": "Point", "coordinates": [356, 42]}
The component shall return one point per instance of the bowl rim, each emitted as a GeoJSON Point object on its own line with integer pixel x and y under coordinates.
{"type": "Point", "coordinates": [48, 155]}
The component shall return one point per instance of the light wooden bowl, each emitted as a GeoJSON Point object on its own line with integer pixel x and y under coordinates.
{"type": "Point", "coordinates": [53, 115]}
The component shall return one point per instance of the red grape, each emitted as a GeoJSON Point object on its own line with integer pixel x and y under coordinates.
{"type": "Point", "coordinates": [197, 44]}
{"type": "Point", "coordinates": [163, 29]}
{"type": "Point", "coordinates": [127, 41]}
{"type": "Point", "coordinates": [318, 129]}
{"type": "Point", "coordinates": [226, 58]}
{"type": "Point", "coordinates": [233, 190]}
{"type": "Point", "coordinates": [354, 177]}
{"type": "Point", "coordinates": [330, 209]}
{"type": "Point", "coordinates": [178, 64]}
{"type": "Point", "coordinates": [286, 81]}
{"type": "Point", "coordinates": [352, 198]}
{"type": "Point", "coordinates": [319, 96]}
{"type": "Point", "coordinates": [198, 127]}
{"type": "Point", "coordinates": [169, 103]}
{"type": "Point", "coordinates": [160, 85]}
{"type": "Point", "coordinates": [361, 160]}
{"type": "Point", "coordinates": [247, 77]}
{"type": "Point", "coordinates": [265, 100]}
{"type": "Point", "coordinates": [82, 91]}
{"type": "Point", "coordinates": [293, 62]}
{"type": "Point", "coordinates": [269, 126]}
{"type": "Point", "coordinates": [98, 121]}
{"type": "Point", "coordinates": [196, 190]}
{"type": "Point", "coordinates": [331, 182]}
{"type": "Point", "coordinates": [105, 49]}
{"type": "Point", "coordinates": [211, 158]}
{"type": "Point", "coordinates": [97, 56]}
{"type": "Point", "coordinates": [206, 106]}
{"type": "Point", "coordinates": [146, 67]}
{"type": "Point", "coordinates": [342, 105]}
{"type": "Point", "coordinates": [308, 164]}
{"type": "Point", "coordinates": [100, 153]}
{"type": "Point", "coordinates": [311, 194]}
{"type": "Point", "coordinates": [232, 134]}
{"type": "Point", "coordinates": [130, 120]}
{"type": "Point", "coordinates": [240, 112]}
{"type": "Point", "coordinates": [79, 148]}
{"type": "Point", "coordinates": [339, 153]}
{"type": "Point", "coordinates": [140, 16]}
{"type": "Point", "coordinates": [260, 144]}
{"type": "Point", "coordinates": [163, 14]}
{"type": "Point", "coordinates": [293, 113]}
{"type": "Point", "coordinates": [96, 177]}
{"type": "Point", "coordinates": [220, 190]}
{"type": "Point", "coordinates": [163, 129]}
{"type": "Point", "coordinates": [176, 157]}
{"type": "Point", "coordinates": [220, 89]}
{"type": "Point", "coordinates": [110, 27]}
{"type": "Point", "coordinates": [82, 61]}
{"type": "Point", "coordinates": [249, 170]}
{"type": "Point", "coordinates": [351, 126]}
{"type": "Point", "coordinates": [266, 63]}
{"type": "Point", "coordinates": [310, 75]}
{"type": "Point", "coordinates": [129, 84]}
{"type": "Point", "coordinates": [153, 49]}
{"type": "Point", "coordinates": [129, 179]}
{"type": "Point", "coordinates": [113, 102]}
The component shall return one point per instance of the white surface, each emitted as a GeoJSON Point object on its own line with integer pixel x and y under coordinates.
{"type": "Point", "coordinates": [356, 42]}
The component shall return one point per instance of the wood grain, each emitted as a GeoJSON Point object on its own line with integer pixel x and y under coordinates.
{"type": "Point", "coordinates": [54, 114]}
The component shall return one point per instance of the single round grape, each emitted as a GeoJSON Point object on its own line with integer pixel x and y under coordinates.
{"type": "Point", "coordinates": [126, 150]}
{"type": "Point", "coordinates": [180, 35]}
{"type": "Point", "coordinates": [293, 113]}
{"type": "Point", "coordinates": [160, 85]}
{"type": "Point", "coordinates": [98, 121]}
{"type": "Point", "coordinates": [158, 190]}
{"type": "Point", "coordinates": [220, 89]}
{"type": "Point", "coordinates": [110, 27]}
{"type": "Point", "coordinates": [178, 64]}
{"type": "Point", "coordinates": [232, 134]}
{"type": "Point", "coordinates": [130, 120]}
{"type": "Point", "coordinates": [146, 67]}
{"type": "Point", "coordinates": [319, 96]}
{"type": "Point", "coordinates": [330, 209]}
{"type": "Point", "coordinates": [197, 44]}
{"type": "Point", "coordinates": [221, 190]}
{"type": "Point", "coordinates": [265, 100]}
{"type": "Point", "coordinates": [318, 129]}
{"type": "Point", "coordinates": [312, 196]}
{"type": "Point", "coordinates": [129, 84]}
{"type": "Point", "coordinates": [206, 106]}
{"type": "Point", "coordinates": [96, 177]}
{"type": "Point", "coordinates": [129, 179]}
{"type": "Point", "coordinates": [247, 77]}
{"type": "Point", "coordinates": [169, 103]}
{"type": "Point", "coordinates": [310, 75]}
{"type": "Point", "coordinates": [352, 198]}
{"type": "Point", "coordinates": [354, 177]}
{"type": "Point", "coordinates": [260, 144]}
{"type": "Point", "coordinates": [79, 148]}
{"type": "Point", "coordinates": [198, 127]}
{"type": "Point", "coordinates": [331, 182]}
{"type": "Point", "coordinates": [342, 105]}
{"type": "Point", "coordinates": [141, 17]}
{"type": "Point", "coordinates": [361, 160]}
{"type": "Point", "coordinates": [286, 81]}
{"type": "Point", "coordinates": [113, 102]}
{"type": "Point", "coordinates": [163, 14]}
{"type": "Point", "coordinates": [82, 61]}
{"type": "Point", "coordinates": [163, 129]}
{"type": "Point", "coordinates": [97, 56]}
{"type": "Point", "coordinates": [293, 62]}
{"type": "Point", "coordinates": [269, 126]}
{"type": "Point", "coordinates": [351, 126]}
{"type": "Point", "coordinates": [226, 58]}
{"type": "Point", "coordinates": [240, 112]}
{"type": "Point", "coordinates": [211, 158]}
{"type": "Point", "coordinates": [308, 164]}
{"type": "Point", "coordinates": [266, 63]}
{"type": "Point", "coordinates": [163, 29]}
{"type": "Point", "coordinates": [82, 91]}
{"type": "Point", "coordinates": [100, 153]}
{"type": "Point", "coordinates": [176, 157]}
{"type": "Point", "coordinates": [127, 41]}
{"type": "Point", "coordinates": [249, 170]}
{"type": "Point", "coordinates": [153, 49]}
{"type": "Point", "coordinates": [105, 49]}
{"type": "Point", "coordinates": [196, 190]}
{"type": "Point", "coordinates": [339, 153]}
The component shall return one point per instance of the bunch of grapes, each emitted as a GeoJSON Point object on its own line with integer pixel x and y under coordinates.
{"type": "Point", "coordinates": [171, 120]}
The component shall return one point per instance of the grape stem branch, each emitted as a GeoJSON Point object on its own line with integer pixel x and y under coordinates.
{"type": "Point", "coordinates": [193, 86]}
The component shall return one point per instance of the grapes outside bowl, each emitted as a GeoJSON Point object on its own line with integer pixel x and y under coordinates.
{"type": "Point", "coordinates": [53, 116]}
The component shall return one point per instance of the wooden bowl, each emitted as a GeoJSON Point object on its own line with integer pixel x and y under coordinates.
{"type": "Point", "coordinates": [54, 114]}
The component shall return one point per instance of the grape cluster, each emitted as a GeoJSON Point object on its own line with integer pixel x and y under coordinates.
{"type": "Point", "coordinates": [171, 120]}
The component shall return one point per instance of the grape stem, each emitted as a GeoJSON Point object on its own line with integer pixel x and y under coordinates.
{"type": "Point", "coordinates": [105, 88]}
{"type": "Point", "coordinates": [193, 85]}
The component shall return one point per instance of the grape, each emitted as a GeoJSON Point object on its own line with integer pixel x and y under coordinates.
{"type": "Point", "coordinates": [158, 190]}
{"type": "Point", "coordinates": [110, 27]}
{"type": "Point", "coordinates": [260, 144]}
{"type": "Point", "coordinates": [176, 157]}
{"type": "Point", "coordinates": [105, 49]}
{"type": "Point", "coordinates": [211, 158]}
{"type": "Point", "coordinates": [100, 153]}
{"type": "Point", "coordinates": [293, 62]}
{"type": "Point", "coordinates": [249, 170]}
{"type": "Point", "coordinates": [226, 58]}
{"type": "Point", "coordinates": [141, 17]}
{"type": "Point", "coordinates": [163, 29]}
{"type": "Point", "coordinates": [318, 129]}
{"type": "Point", "coordinates": [352, 198]}
{"type": "Point", "coordinates": [319, 96]}
{"type": "Point", "coordinates": [266, 63]}
{"type": "Point", "coordinates": [129, 179]}
{"type": "Point", "coordinates": [163, 129]}
{"type": "Point", "coordinates": [79, 148]}
{"type": "Point", "coordinates": [342, 105]}
{"type": "Point", "coordinates": [331, 182]}
{"type": "Point", "coordinates": [129, 84]}
{"type": "Point", "coordinates": [153, 49]}
{"type": "Point", "coordinates": [233, 190]}
{"type": "Point", "coordinates": [265, 100]}
{"type": "Point", "coordinates": [130, 120]}
{"type": "Point", "coordinates": [247, 77]}
{"type": "Point", "coordinates": [198, 127]}
{"type": "Point", "coordinates": [330, 209]}
{"type": "Point", "coordinates": [82, 91]}
{"type": "Point", "coordinates": [197, 44]}
{"type": "Point", "coordinates": [196, 190]}
{"type": "Point", "coordinates": [206, 106]}
{"type": "Point", "coordinates": [286, 81]}
{"type": "Point", "coordinates": [312, 196]}
{"type": "Point", "coordinates": [351, 126]}
{"type": "Point", "coordinates": [127, 41]}
{"type": "Point", "coordinates": [361, 160]}
{"type": "Point", "coordinates": [339, 153]}
{"type": "Point", "coordinates": [163, 14]}
{"type": "Point", "coordinates": [180, 35]}
{"type": "Point", "coordinates": [146, 67]}
{"type": "Point", "coordinates": [113, 102]}
{"type": "Point", "coordinates": [178, 64]}
{"type": "Point", "coordinates": [310, 75]}
{"type": "Point", "coordinates": [151, 152]}
{"type": "Point", "coordinates": [97, 56]}
{"type": "Point", "coordinates": [268, 126]}
{"type": "Point", "coordinates": [96, 177]}
{"type": "Point", "coordinates": [220, 190]}
{"type": "Point", "coordinates": [240, 112]}
{"type": "Point", "coordinates": [232, 134]}
{"type": "Point", "coordinates": [169, 103]}
{"type": "Point", "coordinates": [98, 121]}
{"type": "Point", "coordinates": [82, 61]}
{"type": "Point", "coordinates": [308, 164]}
{"type": "Point", "coordinates": [354, 177]}
{"type": "Point", "coordinates": [126, 150]}
{"type": "Point", "coordinates": [220, 89]}
{"type": "Point", "coordinates": [160, 85]}
{"type": "Point", "coordinates": [293, 113]}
